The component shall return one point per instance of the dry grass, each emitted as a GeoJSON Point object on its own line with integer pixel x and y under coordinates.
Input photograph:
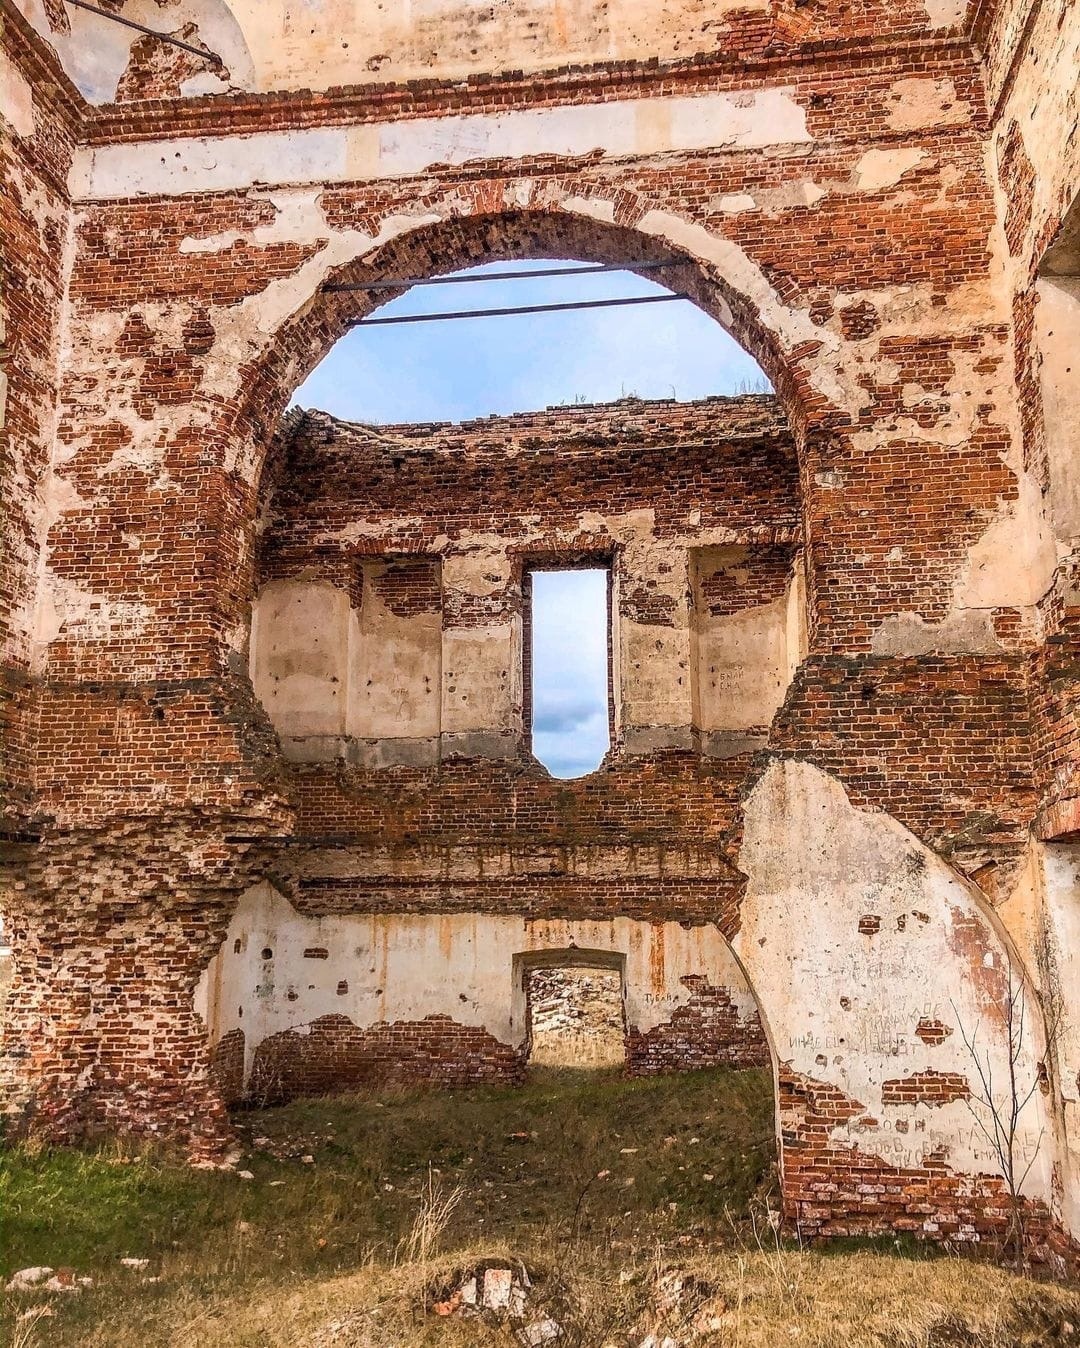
{"type": "Point", "coordinates": [600, 1187]}
{"type": "Point", "coordinates": [860, 1300]}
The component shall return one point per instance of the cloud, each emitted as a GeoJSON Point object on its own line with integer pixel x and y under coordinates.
{"type": "Point", "coordinates": [563, 716]}
{"type": "Point", "coordinates": [570, 670]}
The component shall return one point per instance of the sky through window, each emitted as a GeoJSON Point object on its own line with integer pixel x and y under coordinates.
{"type": "Point", "coordinates": [456, 370]}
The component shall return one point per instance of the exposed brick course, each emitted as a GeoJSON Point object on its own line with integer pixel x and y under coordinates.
{"type": "Point", "coordinates": [706, 1032]}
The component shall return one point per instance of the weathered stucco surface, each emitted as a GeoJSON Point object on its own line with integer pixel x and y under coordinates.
{"type": "Point", "coordinates": [294, 44]}
{"type": "Point", "coordinates": [278, 971]}
{"type": "Point", "coordinates": [855, 938]}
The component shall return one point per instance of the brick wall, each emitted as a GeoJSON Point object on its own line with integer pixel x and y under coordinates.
{"type": "Point", "coordinates": [875, 251]}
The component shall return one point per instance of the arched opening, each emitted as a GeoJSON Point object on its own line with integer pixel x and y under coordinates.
{"type": "Point", "coordinates": [468, 690]}
{"type": "Point", "coordinates": [451, 913]}
{"type": "Point", "coordinates": [619, 845]}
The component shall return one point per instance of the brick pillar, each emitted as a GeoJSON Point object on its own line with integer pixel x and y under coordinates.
{"type": "Point", "coordinates": [110, 933]}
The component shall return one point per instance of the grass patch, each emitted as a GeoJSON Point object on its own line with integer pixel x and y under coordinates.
{"type": "Point", "coordinates": [359, 1205]}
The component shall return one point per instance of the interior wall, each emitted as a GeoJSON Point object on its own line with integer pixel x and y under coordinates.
{"type": "Point", "coordinates": [847, 219]}
{"type": "Point", "coordinates": [273, 45]}
{"type": "Point", "coordinates": [422, 656]}
{"type": "Point", "coordinates": [329, 1001]}
{"type": "Point", "coordinates": [883, 972]}
{"type": "Point", "coordinates": [352, 673]}
{"type": "Point", "coordinates": [748, 632]}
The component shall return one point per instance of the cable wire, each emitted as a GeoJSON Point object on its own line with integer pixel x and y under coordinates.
{"type": "Point", "coordinates": [519, 309]}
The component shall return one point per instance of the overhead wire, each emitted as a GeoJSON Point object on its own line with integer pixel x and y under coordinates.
{"type": "Point", "coordinates": [397, 282]}
{"type": "Point", "coordinates": [515, 309]}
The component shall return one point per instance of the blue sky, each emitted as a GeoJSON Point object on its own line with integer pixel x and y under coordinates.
{"type": "Point", "coordinates": [458, 369]}
{"type": "Point", "coordinates": [463, 368]}
{"type": "Point", "coordinates": [570, 670]}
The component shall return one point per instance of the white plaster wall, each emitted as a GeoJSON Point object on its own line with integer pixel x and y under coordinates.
{"type": "Point", "coordinates": [339, 41]}
{"type": "Point", "coordinates": [374, 150]}
{"type": "Point", "coordinates": [324, 671]}
{"type": "Point", "coordinates": [481, 662]}
{"type": "Point", "coordinates": [395, 669]}
{"type": "Point", "coordinates": [317, 44]}
{"type": "Point", "coordinates": [655, 670]}
{"type": "Point", "coordinates": [741, 668]}
{"type": "Point", "coordinates": [408, 966]}
{"type": "Point", "coordinates": [842, 1007]}
{"type": "Point", "coordinates": [481, 678]}
{"type": "Point", "coordinates": [95, 51]}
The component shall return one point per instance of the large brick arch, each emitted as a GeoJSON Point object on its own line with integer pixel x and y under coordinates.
{"type": "Point", "coordinates": [467, 227]}
{"type": "Point", "coordinates": [884, 978]}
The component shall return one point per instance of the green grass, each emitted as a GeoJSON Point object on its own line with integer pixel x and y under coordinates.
{"type": "Point", "coordinates": [595, 1181]}
{"type": "Point", "coordinates": [527, 1160]}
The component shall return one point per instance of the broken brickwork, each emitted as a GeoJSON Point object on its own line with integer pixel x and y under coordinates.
{"type": "Point", "coordinates": [846, 623]}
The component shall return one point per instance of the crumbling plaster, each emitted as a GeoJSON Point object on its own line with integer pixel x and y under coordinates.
{"type": "Point", "coordinates": [986, 577]}
{"type": "Point", "coordinates": [852, 934]}
{"type": "Point", "coordinates": [297, 45]}
{"type": "Point", "coordinates": [95, 53]}
{"type": "Point", "coordinates": [380, 968]}
{"type": "Point", "coordinates": [513, 492]}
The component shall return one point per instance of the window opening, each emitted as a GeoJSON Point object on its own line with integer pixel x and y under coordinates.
{"type": "Point", "coordinates": [452, 371]}
{"type": "Point", "coordinates": [568, 668]}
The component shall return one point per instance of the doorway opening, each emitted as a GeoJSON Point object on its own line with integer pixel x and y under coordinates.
{"type": "Point", "coordinates": [575, 1009]}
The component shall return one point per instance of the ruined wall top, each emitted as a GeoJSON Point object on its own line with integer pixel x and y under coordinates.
{"type": "Point", "coordinates": [278, 45]}
{"type": "Point", "coordinates": [629, 422]}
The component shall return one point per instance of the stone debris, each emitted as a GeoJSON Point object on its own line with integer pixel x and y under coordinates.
{"type": "Point", "coordinates": [538, 1332]}
{"type": "Point", "coordinates": [131, 1261]}
{"type": "Point", "coordinates": [47, 1279]}
{"type": "Point", "coordinates": [65, 1280]}
{"type": "Point", "coordinates": [499, 1292]}
{"type": "Point", "coordinates": [29, 1277]}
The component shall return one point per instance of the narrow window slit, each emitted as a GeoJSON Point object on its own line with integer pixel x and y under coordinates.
{"type": "Point", "coordinates": [568, 680]}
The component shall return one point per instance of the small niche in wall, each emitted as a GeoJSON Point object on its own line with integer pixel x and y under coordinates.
{"type": "Point", "coordinates": [748, 635]}
{"type": "Point", "coordinates": [395, 664]}
{"type": "Point", "coordinates": [352, 670]}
